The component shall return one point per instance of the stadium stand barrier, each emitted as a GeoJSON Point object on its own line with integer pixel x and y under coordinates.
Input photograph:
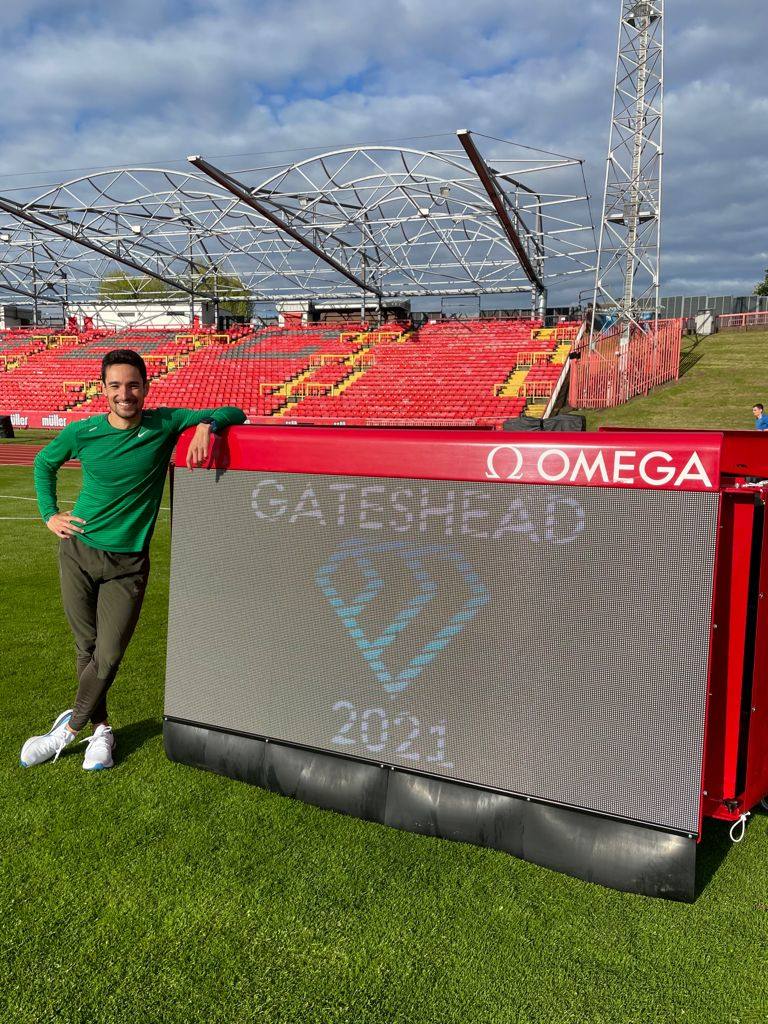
{"type": "Point", "coordinates": [565, 371]}
{"type": "Point", "coordinates": [609, 374]}
{"type": "Point", "coordinates": [742, 321]}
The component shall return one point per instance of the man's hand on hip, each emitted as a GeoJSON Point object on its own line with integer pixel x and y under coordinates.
{"type": "Point", "coordinates": [63, 525]}
{"type": "Point", "coordinates": [200, 446]}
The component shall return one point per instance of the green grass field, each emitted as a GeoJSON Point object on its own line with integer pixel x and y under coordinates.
{"type": "Point", "coordinates": [156, 892]}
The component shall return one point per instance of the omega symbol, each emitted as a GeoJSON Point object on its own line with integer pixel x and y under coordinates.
{"type": "Point", "coordinates": [517, 470]}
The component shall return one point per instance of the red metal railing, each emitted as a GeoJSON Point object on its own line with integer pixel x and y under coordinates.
{"type": "Point", "coordinates": [742, 321]}
{"type": "Point", "coordinates": [567, 332]}
{"type": "Point", "coordinates": [610, 374]}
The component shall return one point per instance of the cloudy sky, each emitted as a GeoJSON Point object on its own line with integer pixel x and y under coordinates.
{"type": "Point", "coordinates": [148, 81]}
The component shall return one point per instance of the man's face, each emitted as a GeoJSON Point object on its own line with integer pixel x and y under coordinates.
{"type": "Point", "coordinates": [757, 412]}
{"type": "Point", "coordinates": [125, 390]}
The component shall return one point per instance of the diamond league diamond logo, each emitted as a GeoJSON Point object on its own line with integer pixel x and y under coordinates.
{"type": "Point", "coordinates": [351, 611]}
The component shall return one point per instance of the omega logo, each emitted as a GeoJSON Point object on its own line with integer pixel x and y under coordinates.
{"type": "Point", "coordinates": [601, 466]}
{"type": "Point", "coordinates": [517, 456]}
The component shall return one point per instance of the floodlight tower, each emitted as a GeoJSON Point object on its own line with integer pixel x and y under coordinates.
{"type": "Point", "coordinates": [627, 277]}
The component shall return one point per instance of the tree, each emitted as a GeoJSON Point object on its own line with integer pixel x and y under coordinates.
{"type": "Point", "coordinates": [762, 288]}
{"type": "Point", "coordinates": [118, 284]}
{"type": "Point", "coordinates": [201, 279]}
{"type": "Point", "coordinates": [230, 284]}
{"type": "Point", "coordinates": [228, 288]}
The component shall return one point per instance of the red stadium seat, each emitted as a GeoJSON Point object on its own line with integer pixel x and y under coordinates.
{"type": "Point", "coordinates": [448, 373]}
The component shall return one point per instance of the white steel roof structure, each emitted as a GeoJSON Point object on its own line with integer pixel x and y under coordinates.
{"type": "Point", "coordinates": [375, 220]}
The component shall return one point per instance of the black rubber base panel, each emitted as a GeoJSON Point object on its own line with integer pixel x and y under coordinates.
{"type": "Point", "coordinates": [632, 858]}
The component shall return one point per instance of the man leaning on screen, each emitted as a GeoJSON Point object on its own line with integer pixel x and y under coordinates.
{"type": "Point", "coordinates": [104, 540]}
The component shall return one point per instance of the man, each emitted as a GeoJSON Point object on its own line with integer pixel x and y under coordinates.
{"type": "Point", "coordinates": [104, 540]}
{"type": "Point", "coordinates": [761, 420]}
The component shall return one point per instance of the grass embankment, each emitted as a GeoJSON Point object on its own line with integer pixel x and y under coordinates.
{"type": "Point", "coordinates": [721, 379]}
{"type": "Point", "coordinates": [155, 892]}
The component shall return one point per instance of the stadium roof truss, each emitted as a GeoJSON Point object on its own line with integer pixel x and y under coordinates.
{"type": "Point", "coordinates": [379, 221]}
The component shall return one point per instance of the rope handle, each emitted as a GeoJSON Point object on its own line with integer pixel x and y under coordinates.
{"type": "Point", "coordinates": [741, 825]}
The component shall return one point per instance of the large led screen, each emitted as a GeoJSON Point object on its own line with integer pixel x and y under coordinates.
{"type": "Point", "coordinates": [543, 641]}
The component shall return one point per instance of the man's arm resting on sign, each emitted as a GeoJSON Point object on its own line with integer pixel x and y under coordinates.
{"type": "Point", "coordinates": [208, 421]}
{"type": "Point", "coordinates": [225, 416]}
{"type": "Point", "coordinates": [200, 445]}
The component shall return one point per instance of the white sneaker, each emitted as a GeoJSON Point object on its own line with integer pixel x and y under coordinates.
{"type": "Point", "coordinates": [98, 753]}
{"type": "Point", "coordinates": [39, 749]}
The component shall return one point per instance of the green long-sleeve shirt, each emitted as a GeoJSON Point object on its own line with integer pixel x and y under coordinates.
{"type": "Point", "coordinates": [123, 472]}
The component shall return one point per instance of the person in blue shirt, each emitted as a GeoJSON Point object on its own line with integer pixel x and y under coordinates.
{"type": "Point", "coordinates": [761, 420]}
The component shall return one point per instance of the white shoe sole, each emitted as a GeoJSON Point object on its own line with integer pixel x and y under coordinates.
{"type": "Point", "coordinates": [63, 717]}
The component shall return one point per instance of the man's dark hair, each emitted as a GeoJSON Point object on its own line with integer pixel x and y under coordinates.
{"type": "Point", "coordinates": [123, 355]}
{"type": "Point", "coordinates": [758, 405]}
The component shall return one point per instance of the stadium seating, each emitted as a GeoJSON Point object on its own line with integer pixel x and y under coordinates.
{"type": "Point", "coordinates": [477, 372]}
{"type": "Point", "coordinates": [43, 379]}
{"type": "Point", "coordinates": [59, 372]}
{"type": "Point", "coordinates": [262, 372]}
{"type": "Point", "coordinates": [19, 343]}
{"type": "Point", "coordinates": [447, 371]}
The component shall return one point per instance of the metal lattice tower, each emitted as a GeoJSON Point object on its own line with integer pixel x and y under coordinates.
{"type": "Point", "coordinates": [627, 278]}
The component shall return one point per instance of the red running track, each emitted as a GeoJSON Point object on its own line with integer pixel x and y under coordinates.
{"type": "Point", "coordinates": [24, 455]}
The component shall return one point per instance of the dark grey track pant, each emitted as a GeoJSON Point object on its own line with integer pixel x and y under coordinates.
{"type": "Point", "coordinates": [102, 593]}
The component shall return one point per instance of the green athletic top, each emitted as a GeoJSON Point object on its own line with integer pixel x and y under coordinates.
{"type": "Point", "coordinates": [123, 472]}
